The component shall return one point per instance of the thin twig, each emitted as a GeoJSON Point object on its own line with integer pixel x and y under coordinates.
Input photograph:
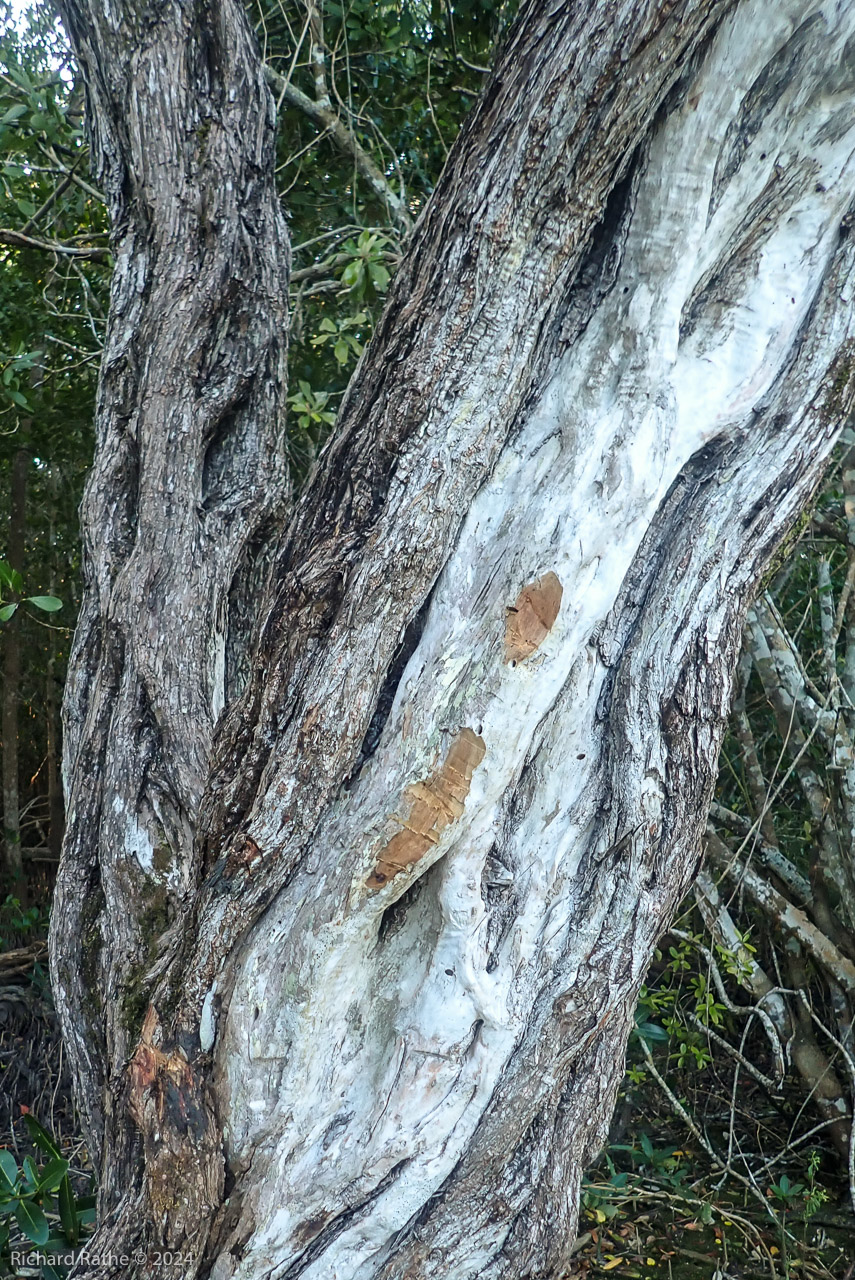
{"type": "Point", "coordinates": [683, 1114]}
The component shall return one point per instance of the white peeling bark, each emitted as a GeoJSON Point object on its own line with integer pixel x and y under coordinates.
{"type": "Point", "coordinates": [388, 1053]}
{"type": "Point", "coordinates": [465, 787]}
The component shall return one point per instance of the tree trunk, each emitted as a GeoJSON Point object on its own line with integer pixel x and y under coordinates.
{"type": "Point", "coordinates": [56, 807]}
{"type": "Point", "coordinates": [13, 866]}
{"type": "Point", "coordinates": [347, 981]}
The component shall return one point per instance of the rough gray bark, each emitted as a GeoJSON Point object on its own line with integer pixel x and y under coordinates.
{"type": "Point", "coordinates": [189, 475]}
{"type": "Point", "coordinates": [372, 947]}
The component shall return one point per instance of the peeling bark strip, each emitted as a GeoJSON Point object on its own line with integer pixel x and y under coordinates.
{"type": "Point", "coordinates": [532, 617]}
{"type": "Point", "coordinates": [435, 803]}
{"type": "Point", "coordinates": [621, 344]}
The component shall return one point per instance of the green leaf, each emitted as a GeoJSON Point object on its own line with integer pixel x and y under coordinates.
{"type": "Point", "coordinates": [68, 1211]}
{"type": "Point", "coordinates": [8, 1171]}
{"type": "Point", "coordinates": [379, 276]}
{"type": "Point", "coordinates": [53, 1174]}
{"type": "Point", "coordinates": [17, 581]}
{"type": "Point", "coordinates": [19, 75]}
{"type": "Point", "coordinates": [341, 351]}
{"type": "Point", "coordinates": [41, 1137]}
{"type": "Point", "coordinates": [14, 113]}
{"type": "Point", "coordinates": [352, 274]}
{"type": "Point", "coordinates": [20, 400]}
{"type": "Point", "coordinates": [7, 611]}
{"type": "Point", "coordinates": [49, 604]}
{"type": "Point", "coordinates": [6, 573]}
{"type": "Point", "coordinates": [31, 1174]}
{"type": "Point", "coordinates": [55, 1243]}
{"type": "Point", "coordinates": [651, 1031]}
{"type": "Point", "coordinates": [32, 1222]}
{"type": "Point", "coordinates": [49, 1272]}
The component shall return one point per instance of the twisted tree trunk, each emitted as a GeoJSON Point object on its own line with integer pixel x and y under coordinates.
{"type": "Point", "coordinates": [352, 916]}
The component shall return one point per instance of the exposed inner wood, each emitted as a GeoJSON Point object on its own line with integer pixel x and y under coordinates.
{"type": "Point", "coordinates": [434, 803]}
{"type": "Point", "coordinates": [531, 618]}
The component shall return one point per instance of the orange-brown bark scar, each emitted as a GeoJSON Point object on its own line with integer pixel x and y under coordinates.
{"type": "Point", "coordinates": [532, 617]}
{"type": "Point", "coordinates": [164, 1080]}
{"type": "Point", "coordinates": [434, 803]}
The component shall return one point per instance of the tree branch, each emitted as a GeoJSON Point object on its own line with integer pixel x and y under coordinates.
{"type": "Point", "coordinates": [790, 919]}
{"type": "Point", "coordinates": [17, 240]}
{"type": "Point", "coordinates": [344, 139]}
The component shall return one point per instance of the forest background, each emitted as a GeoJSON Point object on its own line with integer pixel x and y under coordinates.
{"type": "Point", "coordinates": [732, 1151]}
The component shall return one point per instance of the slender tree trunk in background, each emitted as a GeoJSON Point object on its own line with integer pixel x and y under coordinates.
{"type": "Point", "coordinates": [13, 867]}
{"type": "Point", "coordinates": [56, 807]}
{"type": "Point", "coordinates": [352, 917]}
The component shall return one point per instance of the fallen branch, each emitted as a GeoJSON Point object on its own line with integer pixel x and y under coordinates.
{"type": "Point", "coordinates": [19, 963]}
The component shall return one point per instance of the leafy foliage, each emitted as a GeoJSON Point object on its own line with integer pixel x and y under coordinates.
{"type": "Point", "coordinates": [38, 1205]}
{"type": "Point", "coordinates": [11, 580]}
{"type": "Point", "coordinates": [54, 281]}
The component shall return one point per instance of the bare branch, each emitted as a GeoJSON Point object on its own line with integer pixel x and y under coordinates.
{"type": "Point", "coordinates": [790, 919]}
{"type": "Point", "coordinates": [325, 118]}
{"type": "Point", "coordinates": [17, 240]}
{"type": "Point", "coordinates": [770, 855]}
{"type": "Point", "coordinates": [842, 603]}
{"type": "Point", "coordinates": [58, 190]}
